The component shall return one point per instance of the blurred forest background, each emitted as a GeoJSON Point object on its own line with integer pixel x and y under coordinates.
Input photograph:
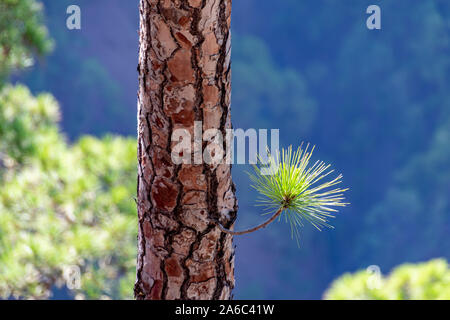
{"type": "Point", "coordinates": [376, 103]}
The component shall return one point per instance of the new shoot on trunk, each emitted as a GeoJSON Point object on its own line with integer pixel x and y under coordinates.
{"type": "Point", "coordinates": [295, 190]}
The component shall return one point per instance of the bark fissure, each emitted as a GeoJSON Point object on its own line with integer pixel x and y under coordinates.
{"type": "Point", "coordinates": [193, 247]}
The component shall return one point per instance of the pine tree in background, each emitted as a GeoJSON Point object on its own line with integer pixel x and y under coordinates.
{"type": "Point", "coordinates": [22, 35]}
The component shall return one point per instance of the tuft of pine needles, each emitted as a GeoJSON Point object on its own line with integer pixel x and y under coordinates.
{"type": "Point", "coordinates": [296, 190]}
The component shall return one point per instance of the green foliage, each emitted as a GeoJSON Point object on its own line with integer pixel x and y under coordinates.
{"type": "Point", "coordinates": [23, 128]}
{"type": "Point", "coordinates": [63, 206]}
{"type": "Point", "coordinates": [292, 186]}
{"type": "Point", "coordinates": [22, 34]}
{"type": "Point", "coordinates": [423, 281]}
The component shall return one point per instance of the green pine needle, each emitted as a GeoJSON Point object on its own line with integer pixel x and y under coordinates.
{"type": "Point", "coordinates": [297, 189]}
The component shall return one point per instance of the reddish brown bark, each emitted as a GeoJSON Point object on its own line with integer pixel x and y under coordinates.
{"type": "Point", "coordinates": [184, 76]}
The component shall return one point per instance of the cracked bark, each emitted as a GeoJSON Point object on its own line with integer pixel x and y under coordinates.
{"type": "Point", "coordinates": [184, 76]}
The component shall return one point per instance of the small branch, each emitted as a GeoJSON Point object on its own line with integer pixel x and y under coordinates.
{"type": "Point", "coordinates": [261, 226]}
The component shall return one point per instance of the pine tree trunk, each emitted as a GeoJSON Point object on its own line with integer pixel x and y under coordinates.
{"type": "Point", "coordinates": [184, 75]}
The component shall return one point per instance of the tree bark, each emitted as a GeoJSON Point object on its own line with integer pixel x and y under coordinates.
{"type": "Point", "coordinates": [184, 76]}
